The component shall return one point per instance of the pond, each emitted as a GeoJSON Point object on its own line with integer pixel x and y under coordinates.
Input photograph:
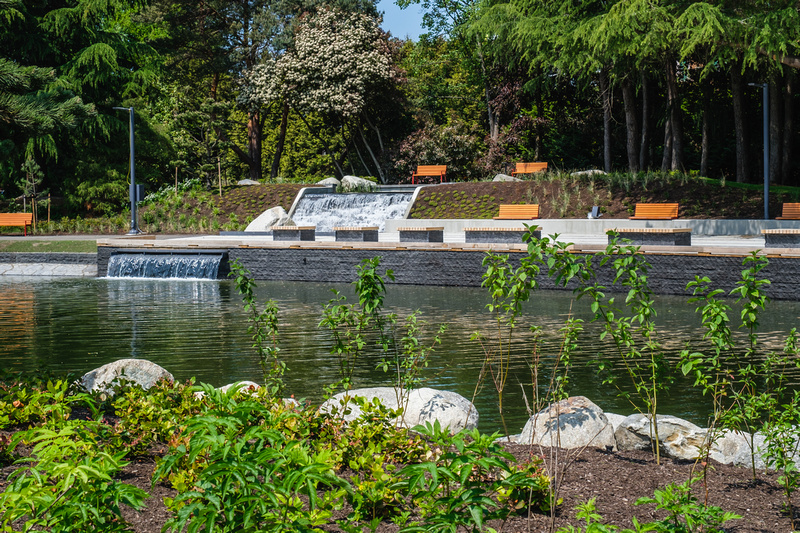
{"type": "Point", "coordinates": [198, 329]}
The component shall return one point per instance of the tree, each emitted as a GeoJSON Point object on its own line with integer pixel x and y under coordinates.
{"type": "Point", "coordinates": [337, 59]}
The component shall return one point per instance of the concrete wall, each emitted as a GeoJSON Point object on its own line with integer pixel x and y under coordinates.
{"type": "Point", "coordinates": [600, 226]}
{"type": "Point", "coordinates": [48, 264]}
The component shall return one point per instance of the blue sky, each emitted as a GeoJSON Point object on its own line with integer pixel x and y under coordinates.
{"type": "Point", "coordinates": [401, 23]}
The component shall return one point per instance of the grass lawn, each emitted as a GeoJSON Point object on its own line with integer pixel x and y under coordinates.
{"type": "Point", "coordinates": [86, 246]}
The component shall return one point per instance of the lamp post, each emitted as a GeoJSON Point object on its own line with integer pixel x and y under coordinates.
{"type": "Point", "coordinates": [765, 105]}
{"type": "Point", "coordinates": [132, 189]}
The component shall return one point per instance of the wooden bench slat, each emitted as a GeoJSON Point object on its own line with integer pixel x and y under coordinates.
{"type": "Point", "coordinates": [529, 168]}
{"type": "Point", "coordinates": [429, 171]}
{"type": "Point", "coordinates": [22, 220]}
{"type": "Point", "coordinates": [790, 211]}
{"type": "Point", "coordinates": [655, 211]}
{"type": "Point", "coordinates": [518, 211]}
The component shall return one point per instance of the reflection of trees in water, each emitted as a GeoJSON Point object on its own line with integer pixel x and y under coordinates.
{"type": "Point", "coordinates": [195, 328]}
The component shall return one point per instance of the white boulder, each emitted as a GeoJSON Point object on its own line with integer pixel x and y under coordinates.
{"type": "Point", "coordinates": [505, 177]}
{"type": "Point", "coordinates": [572, 423]}
{"type": "Point", "coordinates": [276, 216]}
{"type": "Point", "coordinates": [139, 371]}
{"type": "Point", "coordinates": [354, 183]}
{"type": "Point", "coordinates": [678, 438]}
{"type": "Point", "coordinates": [247, 182]}
{"type": "Point", "coordinates": [330, 182]}
{"type": "Point", "coordinates": [452, 410]}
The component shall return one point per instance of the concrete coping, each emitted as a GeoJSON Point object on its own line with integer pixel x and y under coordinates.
{"type": "Point", "coordinates": [490, 229]}
{"type": "Point", "coordinates": [286, 228]}
{"type": "Point", "coordinates": [355, 228]}
{"type": "Point", "coordinates": [650, 230]}
{"type": "Point", "coordinates": [437, 228]}
{"type": "Point", "coordinates": [780, 231]}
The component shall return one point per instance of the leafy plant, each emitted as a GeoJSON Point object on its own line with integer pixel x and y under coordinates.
{"type": "Point", "coordinates": [264, 329]}
{"type": "Point", "coordinates": [472, 481]}
{"type": "Point", "coordinates": [69, 486]}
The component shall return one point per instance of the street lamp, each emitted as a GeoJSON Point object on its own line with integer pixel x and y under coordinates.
{"type": "Point", "coordinates": [132, 189]}
{"type": "Point", "coordinates": [765, 105]}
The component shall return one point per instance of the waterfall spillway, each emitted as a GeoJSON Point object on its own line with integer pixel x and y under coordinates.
{"type": "Point", "coordinates": [164, 265]}
{"type": "Point", "coordinates": [350, 209]}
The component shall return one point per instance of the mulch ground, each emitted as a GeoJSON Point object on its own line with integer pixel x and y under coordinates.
{"type": "Point", "coordinates": [616, 480]}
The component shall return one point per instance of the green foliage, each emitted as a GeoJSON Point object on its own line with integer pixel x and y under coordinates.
{"type": "Point", "coordinates": [70, 484]}
{"type": "Point", "coordinates": [246, 476]}
{"type": "Point", "coordinates": [264, 329]}
{"type": "Point", "coordinates": [472, 481]}
{"type": "Point", "coordinates": [685, 513]}
{"type": "Point", "coordinates": [36, 401]}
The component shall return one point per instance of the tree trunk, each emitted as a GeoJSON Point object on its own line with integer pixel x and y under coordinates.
{"type": "Point", "coordinates": [788, 124]}
{"type": "Point", "coordinates": [605, 97]}
{"type": "Point", "coordinates": [705, 144]}
{"type": "Point", "coordinates": [276, 160]}
{"type": "Point", "coordinates": [666, 159]}
{"type": "Point", "coordinates": [674, 116]}
{"type": "Point", "coordinates": [737, 91]}
{"type": "Point", "coordinates": [775, 129]}
{"type": "Point", "coordinates": [644, 148]}
{"type": "Point", "coordinates": [494, 126]}
{"type": "Point", "coordinates": [254, 144]}
{"type": "Point", "coordinates": [631, 124]}
{"type": "Point", "coordinates": [539, 134]}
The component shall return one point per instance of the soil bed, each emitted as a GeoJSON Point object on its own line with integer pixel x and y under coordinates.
{"type": "Point", "coordinates": [616, 480]}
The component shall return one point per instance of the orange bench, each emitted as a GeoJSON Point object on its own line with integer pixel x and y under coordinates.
{"type": "Point", "coordinates": [518, 212]}
{"type": "Point", "coordinates": [790, 212]}
{"type": "Point", "coordinates": [655, 211]}
{"type": "Point", "coordinates": [23, 220]}
{"type": "Point", "coordinates": [429, 170]}
{"type": "Point", "coordinates": [529, 168]}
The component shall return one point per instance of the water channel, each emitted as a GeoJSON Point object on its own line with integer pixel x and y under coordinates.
{"type": "Point", "coordinates": [198, 329]}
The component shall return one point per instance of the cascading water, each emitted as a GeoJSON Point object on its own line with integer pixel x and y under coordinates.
{"type": "Point", "coordinates": [350, 209]}
{"type": "Point", "coordinates": [160, 265]}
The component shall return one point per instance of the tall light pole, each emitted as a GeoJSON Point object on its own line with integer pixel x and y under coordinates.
{"type": "Point", "coordinates": [132, 189]}
{"type": "Point", "coordinates": [765, 105]}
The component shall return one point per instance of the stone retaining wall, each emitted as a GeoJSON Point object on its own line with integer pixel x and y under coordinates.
{"type": "Point", "coordinates": [669, 273]}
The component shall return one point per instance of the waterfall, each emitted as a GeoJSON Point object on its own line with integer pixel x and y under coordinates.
{"type": "Point", "coordinates": [164, 265]}
{"type": "Point", "coordinates": [350, 209]}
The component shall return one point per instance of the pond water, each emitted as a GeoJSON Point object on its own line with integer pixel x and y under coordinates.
{"type": "Point", "coordinates": [198, 329]}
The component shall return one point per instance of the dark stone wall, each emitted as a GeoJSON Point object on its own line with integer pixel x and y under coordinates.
{"type": "Point", "coordinates": [668, 274]}
{"type": "Point", "coordinates": [60, 258]}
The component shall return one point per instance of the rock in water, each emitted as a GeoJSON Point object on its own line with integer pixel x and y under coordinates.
{"type": "Point", "coordinates": [276, 216]}
{"type": "Point", "coordinates": [452, 410]}
{"type": "Point", "coordinates": [572, 423]}
{"type": "Point", "coordinates": [140, 371]}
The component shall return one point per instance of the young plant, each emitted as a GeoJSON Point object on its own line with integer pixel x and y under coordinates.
{"type": "Point", "coordinates": [508, 289]}
{"type": "Point", "coordinates": [264, 329]}
{"type": "Point", "coordinates": [69, 485]}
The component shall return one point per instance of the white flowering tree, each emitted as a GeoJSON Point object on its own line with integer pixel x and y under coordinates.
{"type": "Point", "coordinates": [338, 62]}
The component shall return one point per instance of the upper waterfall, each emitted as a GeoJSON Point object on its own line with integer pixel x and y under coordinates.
{"type": "Point", "coordinates": [325, 211]}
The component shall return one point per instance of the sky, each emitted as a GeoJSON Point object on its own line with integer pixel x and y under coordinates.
{"type": "Point", "coordinates": [401, 23]}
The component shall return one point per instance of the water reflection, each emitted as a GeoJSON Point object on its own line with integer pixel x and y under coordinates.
{"type": "Point", "coordinates": [198, 329]}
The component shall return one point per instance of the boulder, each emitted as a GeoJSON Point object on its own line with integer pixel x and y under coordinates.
{"type": "Point", "coordinates": [615, 419]}
{"type": "Point", "coordinates": [140, 371]}
{"type": "Point", "coordinates": [354, 183]}
{"type": "Point", "coordinates": [679, 439]}
{"type": "Point", "coordinates": [572, 423]}
{"type": "Point", "coordinates": [452, 410]}
{"type": "Point", "coordinates": [330, 182]}
{"type": "Point", "coordinates": [505, 177]}
{"type": "Point", "coordinates": [247, 182]}
{"type": "Point", "coordinates": [276, 216]}
{"type": "Point", "coordinates": [241, 386]}
{"type": "Point", "coordinates": [733, 448]}
{"type": "Point", "coordinates": [590, 172]}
